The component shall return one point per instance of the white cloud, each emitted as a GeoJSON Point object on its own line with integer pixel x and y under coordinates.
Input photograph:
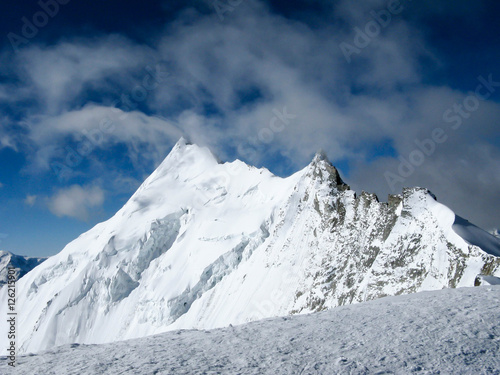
{"type": "Point", "coordinates": [1, 185]}
{"type": "Point", "coordinates": [76, 201]}
{"type": "Point", "coordinates": [30, 200]}
{"type": "Point", "coordinates": [147, 138]}
{"type": "Point", "coordinates": [59, 73]}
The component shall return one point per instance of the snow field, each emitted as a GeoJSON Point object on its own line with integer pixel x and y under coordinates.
{"type": "Point", "coordinates": [451, 331]}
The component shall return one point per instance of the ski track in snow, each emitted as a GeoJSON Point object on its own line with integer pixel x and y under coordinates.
{"type": "Point", "coordinates": [451, 331]}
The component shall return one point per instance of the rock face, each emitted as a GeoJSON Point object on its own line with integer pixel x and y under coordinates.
{"type": "Point", "coordinates": [21, 264]}
{"type": "Point", "coordinates": [203, 244]}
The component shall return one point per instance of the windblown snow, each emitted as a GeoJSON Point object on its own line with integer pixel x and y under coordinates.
{"type": "Point", "coordinates": [203, 244]}
{"type": "Point", "coordinates": [452, 331]}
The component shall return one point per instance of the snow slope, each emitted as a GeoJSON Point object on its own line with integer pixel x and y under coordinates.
{"type": "Point", "coordinates": [203, 244]}
{"type": "Point", "coordinates": [22, 265]}
{"type": "Point", "coordinates": [487, 280]}
{"type": "Point", "coordinates": [452, 331]}
{"type": "Point", "coordinates": [476, 236]}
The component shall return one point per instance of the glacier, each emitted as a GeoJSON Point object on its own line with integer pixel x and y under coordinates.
{"type": "Point", "coordinates": [203, 244]}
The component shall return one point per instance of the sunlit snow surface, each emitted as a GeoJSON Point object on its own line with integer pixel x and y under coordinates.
{"type": "Point", "coordinates": [452, 331]}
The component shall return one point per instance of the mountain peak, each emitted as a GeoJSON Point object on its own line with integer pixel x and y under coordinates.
{"type": "Point", "coordinates": [185, 159]}
{"type": "Point", "coordinates": [185, 151]}
{"type": "Point", "coordinates": [181, 143]}
{"type": "Point", "coordinates": [320, 156]}
{"type": "Point", "coordinates": [322, 168]}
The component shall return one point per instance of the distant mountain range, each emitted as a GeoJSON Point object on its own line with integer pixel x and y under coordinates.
{"type": "Point", "coordinates": [22, 265]}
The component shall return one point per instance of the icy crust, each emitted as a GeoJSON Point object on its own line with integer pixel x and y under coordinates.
{"type": "Point", "coordinates": [453, 331]}
{"type": "Point", "coordinates": [203, 244]}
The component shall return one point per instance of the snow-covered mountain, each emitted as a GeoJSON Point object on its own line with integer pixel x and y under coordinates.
{"type": "Point", "coordinates": [21, 264]}
{"type": "Point", "coordinates": [203, 244]}
{"type": "Point", "coordinates": [452, 331]}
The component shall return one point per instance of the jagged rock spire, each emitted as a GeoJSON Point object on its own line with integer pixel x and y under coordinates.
{"type": "Point", "coordinates": [322, 167]}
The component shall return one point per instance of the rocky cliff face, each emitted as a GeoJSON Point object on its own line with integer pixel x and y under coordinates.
{"type": "Point", "coordinates": [364, 249]}
{"type": "Point", "coordinates": [203, 244]}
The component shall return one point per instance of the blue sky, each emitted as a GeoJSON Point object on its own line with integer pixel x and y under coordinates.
{"type": "Point", "coordinates": [93, 96]}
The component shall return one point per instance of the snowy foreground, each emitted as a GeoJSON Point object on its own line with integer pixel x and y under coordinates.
{"type": "Point", "coordinates": [452, 331]}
